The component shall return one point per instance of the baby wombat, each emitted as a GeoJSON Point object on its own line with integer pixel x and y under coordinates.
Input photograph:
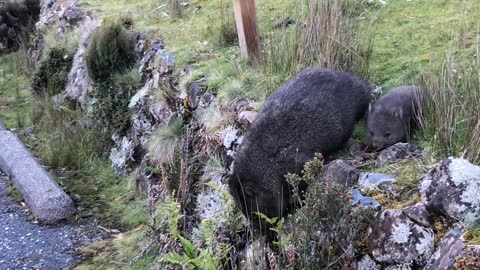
{"type": "Point", "coordinates": [389, 119]}
{"type": "Point", "coordinates": [315, 111]}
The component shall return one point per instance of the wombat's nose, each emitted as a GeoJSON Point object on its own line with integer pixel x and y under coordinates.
{"type": "Point", "coordinates": [376, 144]}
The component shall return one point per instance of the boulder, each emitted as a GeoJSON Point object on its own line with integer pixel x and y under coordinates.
{"type": "Point", "coordinates": [452, 189]}
{"type": "Point", "coordinates": [72, 15]}
{"type": "Point", "coordinates": [79, 83]}
{"type": "Point", "coordinates": [395, 239]}
{"type": "Point", "coordinates": [447, 251]}
{"type": "Point", "coordinates": [245, 119]}
{"type": "Point", "coordinates": [419, 214]}
{"type": "Point", "coordinates": [339, 172]}
{"type": "Point", "coordinates": [45, 198]}
{"type": "Point", "coordinates": [397, 152]}
{"type": "Point", "coordinates": [367, 263]}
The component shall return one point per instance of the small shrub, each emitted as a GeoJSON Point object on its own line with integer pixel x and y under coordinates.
{"type": "Point", "coordinates": [113, 96]}
{"type": "Point", "coordinates": [16, 20]}
{"type": "Point", "coordinates": [110, 51]}
{"type": "Point", "coordinates": [52, 75]}
{"type": "Point", "coordinates": [329, 230]}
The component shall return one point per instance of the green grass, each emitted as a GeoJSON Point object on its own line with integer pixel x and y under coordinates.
{"type": "Point", "coordinates": [15, 95]}
{"type": "Point", "coordinates": [411, 34]}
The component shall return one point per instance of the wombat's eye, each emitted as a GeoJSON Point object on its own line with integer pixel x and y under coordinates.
{"type": "Point", "coordinates": [387, 134]}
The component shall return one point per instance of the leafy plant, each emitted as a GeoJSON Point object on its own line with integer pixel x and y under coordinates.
{"type": "Point", "coordinates": [112, 99]}
{"type": "Point", "coordinates": [328, 230]}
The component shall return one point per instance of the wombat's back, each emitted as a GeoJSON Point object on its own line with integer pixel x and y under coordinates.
{"type": "Point", "coordinates": [315, 111]}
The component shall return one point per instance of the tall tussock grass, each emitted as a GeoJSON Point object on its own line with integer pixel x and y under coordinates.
{"type": "Point", "coordinates": [66, 141]}
{"type": "Point", "coordinates": [326, 34]}
{"type": "Point", "coordinates": [450, 114]}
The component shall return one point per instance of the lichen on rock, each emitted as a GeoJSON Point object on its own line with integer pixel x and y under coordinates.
{"type": "Point", "coordinates": [452, 188]}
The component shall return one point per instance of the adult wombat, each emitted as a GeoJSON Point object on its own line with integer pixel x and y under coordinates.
{"type": "Point", "coordinates": [315, 111]}
{"type": "Point", "coordinates": [390, 118]}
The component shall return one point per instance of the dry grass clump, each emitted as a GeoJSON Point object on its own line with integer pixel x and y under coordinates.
{"type": "Point", "coordinates": [329, 38]}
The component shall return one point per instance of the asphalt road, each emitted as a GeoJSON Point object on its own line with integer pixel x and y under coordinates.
{"type": "Point", "coordinates": [26, 245]}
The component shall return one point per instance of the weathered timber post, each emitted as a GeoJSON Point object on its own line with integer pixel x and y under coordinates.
{"type": "Point", "coordinates": [248, 38]}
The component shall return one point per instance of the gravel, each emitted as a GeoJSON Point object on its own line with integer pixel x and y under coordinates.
{"type": "Point", "coordinates": [26, 245]}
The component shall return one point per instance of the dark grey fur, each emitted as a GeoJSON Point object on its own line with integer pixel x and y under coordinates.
{"type": "Point", "coordinates": [315, 111]}
{"type": "Point", "coordinates": [390, 118]}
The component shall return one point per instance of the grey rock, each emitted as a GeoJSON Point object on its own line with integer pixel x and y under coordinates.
{"type": "Point", "coordinates": [121, 154]}
{"type": "Point", "coordinates": [245, 119]}
{"type": "Point", "coordinates": [404, 266]}
{"type": "Point", "coordinates": [167, 64]}
{"type": "Point", "coordinates": [449, 248]}
{"type": "Point", "coordinates": [245, 105]}
{"type": "Point", "coordinates": [398, 151]}
{"type": "Point", "coordinates": [2, 127]}
{"type": "Point", "coordinates": [367, 263]}
{"type": "Point", "coordinates": [419, 214]}
{"type": "Point", "coordinates": [45, 198]}
{"type": "Point", "coordinates": [148, 114]}
{"type": "Point", "coordinates": [452, 189]}
{"type": "Point", "coordinates": [375, 180]}
{"type": "Point", "coordinates": [73, 15]}
{"type": "Point", "coordinates": [50, 3]}
{"type": "Point", "coordinates": [79, 82]}
{"type": "Point", "coordinates": [194, 93]}
{"type": "Point", "coordinates": [339, 172]}
{"type": "Point", "coordinates": [206, 100]}
{"type": "Point", "coordinates": [253, 256]}
{"type": "Point", "coordinates": [395, 239]}
{"type": "Point", "coordinates": [358, 199]}
{"type": "Point", "coordinates": [147, 63]}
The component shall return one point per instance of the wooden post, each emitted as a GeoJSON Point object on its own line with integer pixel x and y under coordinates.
{"type": "Point", "coordinates": [246, 20]}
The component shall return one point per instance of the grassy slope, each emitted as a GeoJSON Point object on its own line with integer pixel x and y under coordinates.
{"type": "Point", "coordinates": [410, 34]}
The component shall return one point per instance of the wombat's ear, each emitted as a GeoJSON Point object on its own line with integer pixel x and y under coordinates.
{"type": "Point", "coordinates": [398, 112]}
